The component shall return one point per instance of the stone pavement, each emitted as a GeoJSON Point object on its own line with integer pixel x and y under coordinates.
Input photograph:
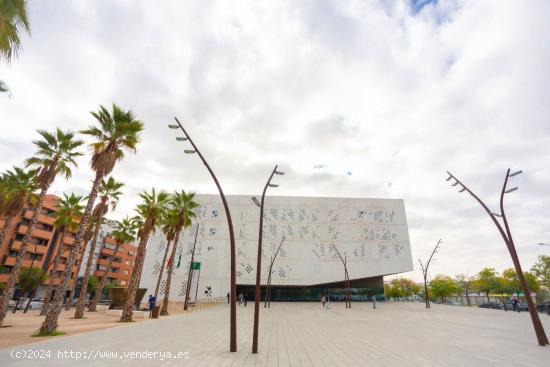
{"type": "Point", "coordinates": [304, 334]}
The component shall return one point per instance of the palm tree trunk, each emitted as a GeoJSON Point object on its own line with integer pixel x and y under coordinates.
{"type": "Point", "coordinates": [14, 274]}
{"type": "Point", "coordinates": [82, 299]}
{"type": "Point", "coordinates": [5, 229]}
{"type": "Point", "coordinates": [53, 271]}
{"type": "Point", "coordinates": [162, 268]}
{"type": "Point", "coordinates": [73, 288]}
{"type": "Point", "coordinates": [134, 280]}
{"type": "Point", "coordinates": [50, 323]}
{"type": "Point", "coordinates": [99, 289]}
{"type": "Point", "coordinates": [164, 309]}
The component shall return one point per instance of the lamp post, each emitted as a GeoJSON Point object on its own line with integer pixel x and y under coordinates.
{"type": "Point", "coordinates": [425, 273]}
{"type": "Point", "coordinates": [259, 260]}
{"type": "Point", "coordinates": [507, 237]}
{"type": "Point", "coordinates": [233, 312]}
{"type": "Point", "coordinates": [267, 299]}
{"type": "Point", "coordinates": [188, 288]}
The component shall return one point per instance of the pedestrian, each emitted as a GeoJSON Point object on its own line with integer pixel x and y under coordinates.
{"type": "Point", "coordinates": [245, 299]}
{"type": "Point", "coordinates": [323, 301]}
{"type": "Point", "coordinates": [152, 302]}
{"type": "Point", "coordinates": [228, 297]}
{"type": "Point", "coordinates": [240, 298]}
{"type": "Point", "coordinates": [374, 302]}
{"type": "Point", "coordinates": [515, 304]}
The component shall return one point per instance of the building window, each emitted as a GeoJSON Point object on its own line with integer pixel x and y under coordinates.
{"type": "Point", "coordinates": [127, 262]}
{"type": "Point", "coordinates": [122, 282]}
{"type": "Point", "coordinates": [126, 272]}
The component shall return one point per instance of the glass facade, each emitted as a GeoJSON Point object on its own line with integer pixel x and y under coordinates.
{"type": "Point", "coordinates": [313, 294]}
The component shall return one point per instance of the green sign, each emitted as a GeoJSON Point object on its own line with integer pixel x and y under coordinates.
{"type": "Point", "coordinates": [196, 266]}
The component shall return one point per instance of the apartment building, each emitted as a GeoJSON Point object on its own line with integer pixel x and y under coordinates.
{"type": "Point", "coordinates": [45, 243]}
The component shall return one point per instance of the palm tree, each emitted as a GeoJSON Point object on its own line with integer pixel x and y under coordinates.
{"type": "Point", "coordinates": [13, 20]}
{"type": "Point", "coordinates": [182, 204]}
{"type": "Point", "coordinates": [117, 131]}
{"type": "Point", "coordinates": [66, 221]}
{"type": "Point", "coordinates": [169, 224]}
{"type": "Point", "coordinates": [109, 193]}
{"type": "Point", "coordinates": [17, 188]}
{"type": "Point", "coordinates": [124, 232]}
{"type": "Point", "coordinates": [56, 155]}
{"type": "Point", "coordinates": [149, 215]}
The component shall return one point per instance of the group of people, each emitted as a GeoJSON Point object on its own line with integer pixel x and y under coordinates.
{"type": "Point", "coordinates": [242, 298]}
{"type": "Point", "coordinates": [324, 301]}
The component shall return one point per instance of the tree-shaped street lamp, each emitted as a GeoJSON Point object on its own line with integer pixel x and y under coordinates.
{"type": "Point", "coordinates": [259, 259]}
{"type": "Point", "coordinates": [267, 299]}
{"type": "Point", "coordinates": [346, 275]}
{"type": "Point", "coordinates": [188, 288]}
{"type": "Point", "coordinates": [233, 312]}
{"type": "Point", "coordinates": [425, 273]}
{"type": "Point", "coordinates": [507, 237]}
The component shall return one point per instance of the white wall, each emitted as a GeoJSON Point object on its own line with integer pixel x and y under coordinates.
{"type": "Point", "coordinates": [372, 233]}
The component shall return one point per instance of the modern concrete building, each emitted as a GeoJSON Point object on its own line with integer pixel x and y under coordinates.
{"type": "Point", "coordinates": [371, 233]}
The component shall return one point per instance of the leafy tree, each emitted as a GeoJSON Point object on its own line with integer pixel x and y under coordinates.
{"type": "Point", "coordinates": [107, 289]}
{"type": "Point", "coordinates": [486, 281]}
{"type": "Point", "coordinates": [465, 282]}
{"type": "Point", "coordinates": [29, 278]}
{"type": "Point", "coordinates": [443, 286]}
{"type": "Point", "coordinates": [541, 270]}
{"type": "Point", "coordinates": [92, 284]}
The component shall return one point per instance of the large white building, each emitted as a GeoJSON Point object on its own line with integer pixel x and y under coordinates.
{"type": "Point", "coordinates": [371, 233]}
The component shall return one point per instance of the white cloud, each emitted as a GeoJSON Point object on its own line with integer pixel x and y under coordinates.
{"type": "Point", "coordinates": [366, 87]}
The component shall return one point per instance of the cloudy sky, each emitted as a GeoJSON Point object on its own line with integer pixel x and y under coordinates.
{"type": "Point", "coordinates": [352, 98]}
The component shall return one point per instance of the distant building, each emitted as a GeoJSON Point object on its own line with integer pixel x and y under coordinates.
{"type": "Point", "coordinates": [44, 244]}
{"type": "Point", "coordinates": [371, 233]}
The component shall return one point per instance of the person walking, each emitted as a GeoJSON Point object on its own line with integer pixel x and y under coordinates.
{"type": "Point", "coordinates": [323, 301]}
{"type": "Point", "coordinates": [515, 303]}
{"type": "Point", "coordinates": [240, 298]}
{"type": "Point", "coordinates": [245, 299]}
{"type": "Point", "coordinates": [374, 302]}
{"type": "Point", "coordinates": [228, 297]}
{"type": "Point", "coordinates": [152, 302]}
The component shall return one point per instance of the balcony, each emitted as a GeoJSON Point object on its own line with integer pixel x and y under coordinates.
{"type": "Point", "coordinates": [41, 217]}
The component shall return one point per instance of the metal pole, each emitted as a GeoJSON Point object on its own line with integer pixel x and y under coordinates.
{"type": "Point", "coordinates": [233, 312]}
{"type": "Point", "coordinates": [506, 236]}
{"type": "Point", "coordinates": [259, 269]}
{"type": "Point", "coordinates": [190, 271]}
{"type": "Point", "coordinates": [269, 277]}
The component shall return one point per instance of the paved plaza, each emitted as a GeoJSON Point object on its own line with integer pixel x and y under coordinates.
{"type": "Point", "coordinates": [304, 334]}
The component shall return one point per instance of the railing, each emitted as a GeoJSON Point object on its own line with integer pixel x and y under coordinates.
{"type": "Point", "coordinates": [204, 303]}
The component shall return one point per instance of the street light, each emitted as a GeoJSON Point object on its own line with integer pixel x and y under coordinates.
{"type": "Point", "coordinates": [233, 312]}
{"type": "Point", "coordinates": [267, 298]}
{"type": "Point", "coordinates": [507, 237]}
{"type": "Point", "coordinates": [425, 272]}
{"type": "Point", "coordinates": [259, 261]}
